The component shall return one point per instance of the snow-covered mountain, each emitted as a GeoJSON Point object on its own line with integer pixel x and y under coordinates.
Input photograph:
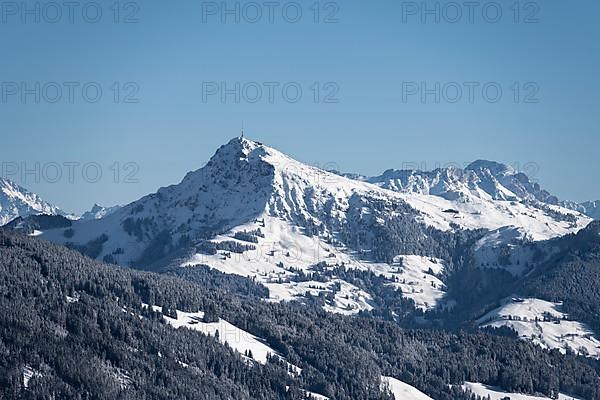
{"type": "Point", "coordinates": [16, 201]}
{"type": "Point", "coordinates": [485, 194]}
{"type": "Point", "coordinates": [480, 180]}
{"type": "Point", "coordinates": [253, 211]}
{"type": "Point", "coordinates": [98, 211]}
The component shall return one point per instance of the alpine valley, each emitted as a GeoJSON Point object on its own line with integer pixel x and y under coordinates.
{"type": "Point", "coordinates": [261, 277]}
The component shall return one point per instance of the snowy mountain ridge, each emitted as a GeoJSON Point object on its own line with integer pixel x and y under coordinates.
{"type": "Point", "coordinates": [246, 180]}
{"type": "Point", "coordinates": [498, 181]}
{"type": "Point", "coordinates": [97, 211]}
{"type": "Point", "coordinates": [16, 201]}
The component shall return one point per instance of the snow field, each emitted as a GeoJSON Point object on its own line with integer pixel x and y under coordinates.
{"type": "Point", "coordinates": [543, 323]}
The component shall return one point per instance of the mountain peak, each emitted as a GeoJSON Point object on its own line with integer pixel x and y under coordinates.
{"type": "Point", "coordinates": [97, 211]}
{"type": "Point", "coordinates": [244, 144]}
{"type": "Point", "coordinates": [494, 167]}
{"type": "Point", "coordinates": [16, 201]}
{"type": "Point", "coordinates": [7, 184]}
{"type": "Point", "coordinates": [236, 149]}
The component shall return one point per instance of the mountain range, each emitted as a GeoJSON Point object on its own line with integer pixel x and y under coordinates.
{"type": "Point", "coordinates": [16, 201]}
{"type": "Point", "coordinates": [499, 181]}
{"type": "Point", "coordinates": [255, 212]}
{"type": "Point", "coordinates": [284, 217]}
{"type": "Point", "coordinates": [477, 180]}
{"type": "Point", "coordinates": [481, 249]}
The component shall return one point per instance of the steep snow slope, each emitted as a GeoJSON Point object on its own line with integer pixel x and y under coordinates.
{"type": "Point", "coordinates": [403, 391]}
{"type": "Point", "coordinates": [511, 249]}
{"type": "Point", "coordinates": [497, 394]}
{"type": "Point", "coordinates": [543, 323]}
{"type": "Point", "coordinates": [16, 201]}
{"type": "Point", "coordinates": [238, 339]}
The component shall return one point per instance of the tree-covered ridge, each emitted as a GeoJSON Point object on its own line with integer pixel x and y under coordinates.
{"type": "Point", "coordinates": [572, 276]}
{"type": "Point", "coordinates": [76, 323]}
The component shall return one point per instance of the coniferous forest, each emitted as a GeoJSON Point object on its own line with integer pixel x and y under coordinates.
{"type": "Point", "coordinates": [78, 328]}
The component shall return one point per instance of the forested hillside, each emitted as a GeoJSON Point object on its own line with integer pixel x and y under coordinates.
{"type": "Point", "coordinates": [572, 275]}
{"type": "Point", "coordinates": [77, 329]}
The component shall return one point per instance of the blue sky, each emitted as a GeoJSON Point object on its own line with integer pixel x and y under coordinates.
{"type": "Point", "coordinates": [366, 62]}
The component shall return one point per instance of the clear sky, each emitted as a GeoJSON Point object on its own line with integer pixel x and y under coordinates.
{"type": "Point", "coordinates": [365, 116]}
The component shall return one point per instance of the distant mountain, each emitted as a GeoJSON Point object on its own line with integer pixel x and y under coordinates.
{"type": "Point", "coordinates": [478, 180]}
{"type": "Point", "coordinates": [589, 208]}
{"type": "Point", "coordinates": [16, 201]}
{"type": "Point", "coordinates": [97, 212]}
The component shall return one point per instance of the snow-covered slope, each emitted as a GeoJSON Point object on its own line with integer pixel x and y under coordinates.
{"type": "Point", "coordinates": [538, 222]}
{"type": "Point", "coordinates": [282, 250]}
{"type": "Point", "coordinates": [511, 249]}
{"type": "Point", "coordinates": [497, 394]}
{"type": "Point", "coordinates": [418, 278]}
{"type": "Point", "coordinates": [16, 201]}
{"type": "Point", "coordinates": [543, 323]}
{"type": "Point", "coordinates": [401, 390]}
{"type": "Point", "coordinates": [245, 343]}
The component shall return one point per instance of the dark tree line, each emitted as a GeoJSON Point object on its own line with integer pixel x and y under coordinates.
{"type": "Point", "coordinates": [93, 343]}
